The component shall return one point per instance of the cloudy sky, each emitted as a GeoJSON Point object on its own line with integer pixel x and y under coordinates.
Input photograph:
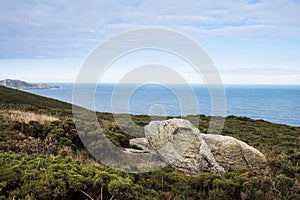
{"type": "Point", "coordinates": [250, 41]}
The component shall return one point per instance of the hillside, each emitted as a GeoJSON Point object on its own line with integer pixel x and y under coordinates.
{"type": "Point", "coordinates": [18, 84]}
{"type": "Point", "coordinates": [13, 97]}
{"type": "Point", "coordinates": [42, 157]}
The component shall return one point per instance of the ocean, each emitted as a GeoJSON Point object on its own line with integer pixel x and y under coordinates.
{"type": "Point", "coordinates": [274, 103]}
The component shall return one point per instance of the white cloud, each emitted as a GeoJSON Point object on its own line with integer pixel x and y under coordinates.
{"type": "Point", "coordinates": [55, 29]}
{"type": "Point", "coordinates": [77, 17]}
{"type": "Point", "coordinates": [230, 31]}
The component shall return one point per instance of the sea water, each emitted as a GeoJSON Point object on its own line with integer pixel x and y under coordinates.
{"type": "Point", "coordinates": [274, 103]}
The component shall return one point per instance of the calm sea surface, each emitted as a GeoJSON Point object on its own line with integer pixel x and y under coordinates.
{"type": "Point", "coordinates": [274, 103]}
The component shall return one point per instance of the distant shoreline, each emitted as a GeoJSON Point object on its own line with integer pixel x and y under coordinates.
{"type": "Point", "coordinates": [22, 85]}
{"type": "Point", "coordinates": [198, 84]}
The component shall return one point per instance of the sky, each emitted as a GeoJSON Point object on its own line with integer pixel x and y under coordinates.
{"type": "Point", "coordinates": [249, 41]}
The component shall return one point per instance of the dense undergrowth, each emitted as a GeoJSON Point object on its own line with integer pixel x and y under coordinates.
{"type": "Point", "coordinates": [48, 160]}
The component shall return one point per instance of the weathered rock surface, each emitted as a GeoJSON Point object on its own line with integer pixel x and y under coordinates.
{"type": "Point", "coordinates": [182, 146]}
{"type": "Point", "coordinates": [224, 153]}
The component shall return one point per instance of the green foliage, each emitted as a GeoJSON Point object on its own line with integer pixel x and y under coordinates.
{"type": "Point", "coordinates": [11, 98]}
{"type": "Point", "coordinates": [45, 177]}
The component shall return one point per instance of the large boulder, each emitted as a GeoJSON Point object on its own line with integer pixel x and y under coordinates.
{"type": "Point", "coordinates": [224, 153]}
{"type": "Point", "coordinates": [182, 146]}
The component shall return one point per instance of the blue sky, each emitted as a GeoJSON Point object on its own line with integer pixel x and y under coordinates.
{"type": "Point", "coordinates": [256, 42]}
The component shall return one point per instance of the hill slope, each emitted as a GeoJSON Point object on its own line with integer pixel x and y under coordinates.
{"type": "Point", "coordinates": [46, 159]}
{"type": "Point", "coordinates": [13, 96]}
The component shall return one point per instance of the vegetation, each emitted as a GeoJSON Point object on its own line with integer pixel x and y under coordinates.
{"type": "Point", "coordinates": [18, 115]}
{"type": "Point", "coordinates": [45, 159]}
{"type": "Point", "coordinates": [15, 99]}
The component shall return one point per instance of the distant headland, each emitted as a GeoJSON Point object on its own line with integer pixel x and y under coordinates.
{"type": "Point", "coordinates": [22, 85]}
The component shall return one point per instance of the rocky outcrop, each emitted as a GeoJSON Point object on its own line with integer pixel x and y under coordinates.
{"type": "Point", "coordinates": [18, 84]}
{"type": "Point", "coordinates": [182, 146]}
{"type": "Point", "coordinates": [225, 153]}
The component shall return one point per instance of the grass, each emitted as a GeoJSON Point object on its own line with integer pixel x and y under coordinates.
{"type": "Point", "coordinates": [23, 116]}
{"type": "Point", "coordinates": [12, 97]}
